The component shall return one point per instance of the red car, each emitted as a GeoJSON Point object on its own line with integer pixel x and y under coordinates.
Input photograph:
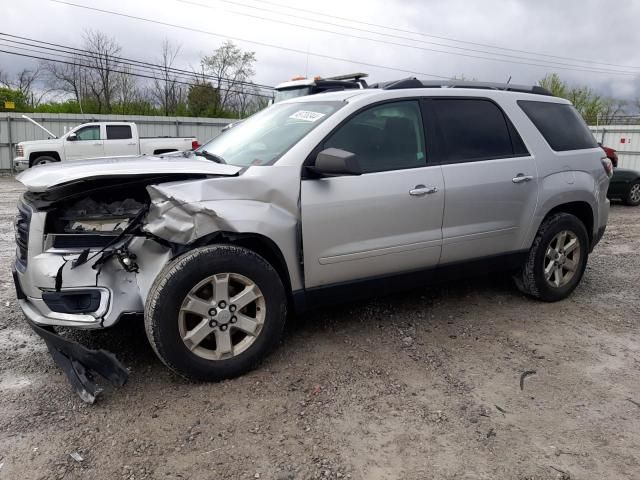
{"type": "Point", "coordinates": [611, 154]}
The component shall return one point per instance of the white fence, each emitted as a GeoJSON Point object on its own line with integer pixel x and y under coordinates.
{"type": "Point", "coordinates": [14, 128]}
{"type": "Point", "coordinates": [623, 138]}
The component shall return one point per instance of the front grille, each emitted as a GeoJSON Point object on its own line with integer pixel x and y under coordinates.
{"type": "Point", "coordinates": [19, 151]}
{"type": "Point", "coordinates": [21, 227]}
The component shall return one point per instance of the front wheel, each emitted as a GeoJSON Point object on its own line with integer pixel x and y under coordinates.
{"type": "Point", "coordinates": [43, 160]}
{"type": "Point", "coordinates": [215, 312]}
{"type": "Point", "coordinates": [556, 260]}
{"type": "Point", "coordinates": [633, 195]}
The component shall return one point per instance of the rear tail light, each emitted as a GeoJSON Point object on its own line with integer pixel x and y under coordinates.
{"type": "Point", "coordinates": [194, 144]}
{"type": "Point", "coordinates": [19, 151]}
{"type": "Point", "coordinates": [608, 166]}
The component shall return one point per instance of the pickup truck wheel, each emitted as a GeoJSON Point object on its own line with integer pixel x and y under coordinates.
{"type": "Point", "coordinates": [215, 312]}
{"type": "Point", "coordinates": [633, 195]}
{"type": "Point", "coordinates": [557, 259]}
{"type": "Point", "coordinates": [43, 160]}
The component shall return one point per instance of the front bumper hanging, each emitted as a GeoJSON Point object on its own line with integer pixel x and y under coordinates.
{"type": "Point", "coordinates": [81, 364]}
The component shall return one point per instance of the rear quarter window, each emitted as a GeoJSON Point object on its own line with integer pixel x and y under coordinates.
{"type": "Point", "coordinates": [560, 124]}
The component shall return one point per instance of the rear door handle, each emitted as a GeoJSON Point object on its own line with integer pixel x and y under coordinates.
{"type": "Point", "coordinates": [521, 178]}
{"type": "Point", "coordinates": [421, 190]}
{"type": "Point", "coordinates": [134, 143]}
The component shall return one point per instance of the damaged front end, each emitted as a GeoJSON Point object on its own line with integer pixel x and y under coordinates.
{"type": "Point", "coordinates": [84, 261]}
{"type": "Point", "coordinates": [90, 248]}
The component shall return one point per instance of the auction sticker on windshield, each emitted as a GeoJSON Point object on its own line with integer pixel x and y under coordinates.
{"type": "Point", "coordinates": [307, 116]}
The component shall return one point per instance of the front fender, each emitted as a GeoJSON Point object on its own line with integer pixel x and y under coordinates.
{"type": "Point", "coordinates": [177, 219]}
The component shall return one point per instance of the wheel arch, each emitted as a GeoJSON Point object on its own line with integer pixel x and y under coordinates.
{"type": "Point", "coordinates": [258, 243]}
{"type": "Point", "coordinates": [160, 151]}
{"type": "Point", "coordinates": [573, 192]}
{"type": "Point", "coordinates": [580, 209]}
{"type": "Point", "coordinates": [35, 155]}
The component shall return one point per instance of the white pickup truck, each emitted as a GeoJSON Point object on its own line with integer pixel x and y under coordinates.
{"type": "Point", "coordinates": [96, 140]}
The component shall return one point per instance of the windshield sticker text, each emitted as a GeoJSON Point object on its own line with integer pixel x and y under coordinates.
{"type": "Point", "coordinates": [307, 116]}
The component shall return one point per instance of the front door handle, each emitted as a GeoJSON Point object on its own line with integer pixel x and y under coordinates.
{"type": "Point", "coordinates": [521, 178]}
{"type": "Point", "coordinates": [421, 190]}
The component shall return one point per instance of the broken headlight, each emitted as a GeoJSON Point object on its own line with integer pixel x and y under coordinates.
{"type": "Point", "coordinates": [90, 223]}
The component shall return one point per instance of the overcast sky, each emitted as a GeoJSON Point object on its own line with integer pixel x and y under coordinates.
{"type": "Point", "coordinates": [601, 31]}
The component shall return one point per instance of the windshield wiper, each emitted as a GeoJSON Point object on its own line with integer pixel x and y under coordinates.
{"type": "Point", "coordinates": [209, 156]}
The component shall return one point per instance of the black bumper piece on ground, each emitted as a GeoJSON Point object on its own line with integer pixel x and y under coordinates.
{"type": "Point", "coordinates": [81, 364]}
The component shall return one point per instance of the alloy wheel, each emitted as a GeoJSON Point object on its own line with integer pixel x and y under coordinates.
{"type": "Point", "coordinates": [634, 193]}
{"type": "Point", "coordinates": [222, 316]}
{"type": "Point", "coordinates": [562, 259]}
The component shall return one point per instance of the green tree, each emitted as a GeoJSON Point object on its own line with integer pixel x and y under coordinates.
{"type": "Point", "coordinates": [231, 69]}
{"type": "Point", "coordinates": [15, 96]}
{"type": "Point", "coordinates": [554, 84]}
{"type": "Point", "coordinates": [203, 100]}
{"type": "Point", "coordinates": [593, 107]}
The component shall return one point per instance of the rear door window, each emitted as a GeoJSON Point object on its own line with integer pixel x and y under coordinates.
{"type": "Point", "coordinates": [118, 132]}
{"type": "Point", "coordinates": [474, 130]}
{"type": "Point", "coordinates": [560, 124]}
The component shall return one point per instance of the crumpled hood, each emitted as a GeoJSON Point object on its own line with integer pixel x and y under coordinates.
{"type": "Point", "coordinates": [44, 177]}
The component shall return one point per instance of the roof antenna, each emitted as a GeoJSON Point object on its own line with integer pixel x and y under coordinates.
{"type": "Point", "coordinates": [306, 67]}
{"type": "Point", "coordinates": [509, 81]}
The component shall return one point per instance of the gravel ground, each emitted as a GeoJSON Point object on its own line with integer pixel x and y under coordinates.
{"type": "Point", "coordinates": [420, 385]}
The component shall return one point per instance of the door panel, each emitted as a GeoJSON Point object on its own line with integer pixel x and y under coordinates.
{"type": "Point", "coordinates": [88, 144]}
{"type": "Point", "coordinates": [486, 213]}
{"type": "Point", "coordinates": [490, 178]}
{"type": "Point", "coordinates": [119, 141]}
{"type": "Point", "coordinates": [356, 227]}
{"type": "Point", "coordinates": [385, 221]}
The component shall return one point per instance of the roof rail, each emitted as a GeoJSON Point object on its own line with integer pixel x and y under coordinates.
{"type": "Point", "coordinates": [413, 82]}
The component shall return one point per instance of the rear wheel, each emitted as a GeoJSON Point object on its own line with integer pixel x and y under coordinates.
{"type": "Point", "coordinates": [557, 259]}
{"type": "Point", "coordinates": [633, 195]}
{"type": "Point", "coordinates": [215, 312]}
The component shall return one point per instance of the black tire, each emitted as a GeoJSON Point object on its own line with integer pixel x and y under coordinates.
{"type": "Point", "coordinates": [531, 279]}
{"type": "Point", "coordinates": [629, 197]}
{"type": "Point", "coordinates": [43, 160]}
{"type": "Point", "coordinates": [179, 277]}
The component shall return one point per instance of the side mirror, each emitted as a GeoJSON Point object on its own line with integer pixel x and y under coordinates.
{"type": "Point", "coordinates": [333, 162]}
{"type": "Point", "coordinates": [72, 137]}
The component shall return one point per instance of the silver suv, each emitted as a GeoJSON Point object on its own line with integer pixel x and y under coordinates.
{"type": "Point", "coordinates": [311, 201]}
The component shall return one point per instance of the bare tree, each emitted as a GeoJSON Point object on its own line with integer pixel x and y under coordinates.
{"type": "Point", "coordinates": [610, 109]}
{"type": "Point", "coordinates": [93, 75]}
{"type": "Point", "coordinates": [166, 90]}
{"type": "Point", "coordinates": [103, 62]}
{"type": "Point", "coordinates": [230, 68]}
{"type": "Point", "coordinates": [69, 78]}
{"type": "Point", "coordinates": [127, 91]}
{"type": "Point", "coordinates": [248, 99]}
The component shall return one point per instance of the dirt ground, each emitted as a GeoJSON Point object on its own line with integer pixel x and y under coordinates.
{"type": "Point", "coordinates": [422, 385]}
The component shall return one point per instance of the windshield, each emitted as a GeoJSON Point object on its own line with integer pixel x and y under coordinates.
{"type": "Point", "coordinates": [289, 93]}
{"type": "Point", "coordinates": [263, 138]}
